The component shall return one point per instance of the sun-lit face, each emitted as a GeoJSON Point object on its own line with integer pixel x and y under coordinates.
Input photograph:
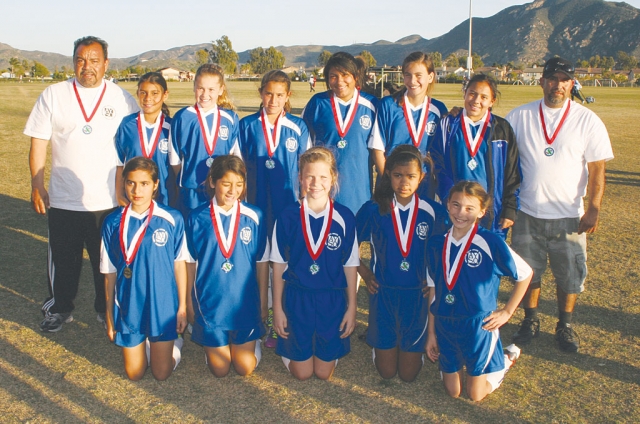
{"type": "Point", "coordinates": [228, 189]}
{"type": "Point", "coordinates": [150, 97]}
{"type": "Point", "coordinates": [405, 180]}
{"type": "Point", "coordinates": [90, 65]}
{"type": "Point", "coordinates": [464, 211]}
{"type": "Point", "coordinates": [207, 89]}
{"type": "Point", "coordinates": [556, 89]}
{"type": "Point", "coordinates": [417, 79]}
{"type": "Point", "coordinates": [140, 188]}
{"type": "Point", "coordinates": [274, 96]}
{"type": "Point", "coordinates": [477, 100]}
{"type": "Point", "coordinates": [342, 84]}
{"type": "Point", "coordinates": [316, 180]}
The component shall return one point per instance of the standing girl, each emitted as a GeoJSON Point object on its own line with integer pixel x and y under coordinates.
{"type": "Point", "coordinates": [477, 145]}
{"type": "Point", "coordinates": [410, 116]}
{"type": "Point", "coordinates": [397, 224]}
{"type": "Point", "coordinates": [271, 142]}
{"type": "Point", "coordinates": [201, 132]}
{"type": "Point", "coordinates": [343, 119]}
{"type": "Point", "coordinates": [227, 238]}
{"type": "Point", "coordinates": [315, 258]}
{"type": "Point", "coordinates": [147, 134]}
{"type": "Point", "coordinates": [143, 258]}
{"type": "Point", "coordinates": [465, 267]}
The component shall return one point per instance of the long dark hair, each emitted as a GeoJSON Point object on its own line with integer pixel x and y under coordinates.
{"type": "Point", "coordinates": [140, 163]}
{"type": "Point", "coordinates": [220, 166]}
{"type": "Point", "coordinates": [158, 79]}
{"type": "Point", "coordinates": [400, 156]}
{"type": "Point", "coordinates": [277, 75]}
{"type": "Point", "coordinates": [345, 63]}
{"type": "Point", "coordinates": [415, 57]}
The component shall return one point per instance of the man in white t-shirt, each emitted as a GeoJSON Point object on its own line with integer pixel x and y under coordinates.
{"type": "Point", "coordinates": [563, 149]}
{"type": "Point", "coordinates": [80, 118]}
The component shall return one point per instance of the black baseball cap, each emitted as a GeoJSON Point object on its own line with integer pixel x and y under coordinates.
{"type": "Point", "coordinates": [558, 64]}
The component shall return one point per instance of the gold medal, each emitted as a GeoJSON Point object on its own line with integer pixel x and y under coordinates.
{"type": "Point", "coordinates": [127, 272]}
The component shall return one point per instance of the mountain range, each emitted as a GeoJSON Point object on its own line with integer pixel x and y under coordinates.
{"type": "Point", "coordinates": [521, 34]}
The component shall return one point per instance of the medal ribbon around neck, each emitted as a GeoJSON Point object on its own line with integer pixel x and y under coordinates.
{"type": "Point", "coordinates": [404, 236]}
{"type": "Point", "coordinates": [551, 139]}
{"type": "Point", "coordinates": [271, 138]}
{"type": "Point", "coordinates": [416, 134]}
{"type": "Point", "coordinates": [95, 109]}
{"type": "Point", "coordinates": [148, 151]}
{"type": "Point", "coordinates": [451, 276]}
{"type": "Point", "coordinates": [477, 140]}
{"type": "Point", "coordinates": [343, 125]}
{"type": "Point", "coordinates": [226, 242]}
{"type": "Point", "coordinates": [130, 252]}
{"type": "Point", "coordinates": [315, 249]}
{"type": "Point", "coordinates": [209, 139]}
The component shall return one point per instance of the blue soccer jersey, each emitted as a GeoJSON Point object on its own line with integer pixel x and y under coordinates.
{"type": "Point", "coordinates": [146, 303]}
{"type": "Point", "coordinates": [395, 130]}
{"type": "Point", "coordinates": [340, 249]}
{"type": "Point", "coordinates": [135, 137]}
{"type": "Point", "coordinates": [225, 294]}
{"type": "Point", "coordinates": [272, 172]}
{"type": "Point", "coordinates": [475, 291]}
{"type": "Point", "coordinates": [487, 154]}
{"type": "Point", "coordinates": [190, 147]}
{"type": "Point", "coordinates": [387, 258]}
{"type": "Point", "coordinates": [352, 149]}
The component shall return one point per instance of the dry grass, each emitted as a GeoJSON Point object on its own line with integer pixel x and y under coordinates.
{"type": "Point", "coordinates": [76, 375]}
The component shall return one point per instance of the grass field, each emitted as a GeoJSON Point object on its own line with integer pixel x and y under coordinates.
{"type": "Point", "coordinates": [76, 375]}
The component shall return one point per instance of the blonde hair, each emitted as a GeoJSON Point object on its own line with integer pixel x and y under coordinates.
{"type": "Point", "coordinates": [224, 101]}
{"type": "Point", "coordinates": [321, 154]}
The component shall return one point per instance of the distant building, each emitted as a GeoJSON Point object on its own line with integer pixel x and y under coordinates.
{"type": "Point", "coordinates": [531, 75]}
{"type": "Point", "coordinates": [175, 74]}
{"type": "Point", "coordinates": [589, 72]}
{"type": "Point", "coordinates": [499, 74]}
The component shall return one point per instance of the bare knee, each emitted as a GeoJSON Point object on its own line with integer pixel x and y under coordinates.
{"type": "Point", "coordinates": [476, 395]}
{"type": "Point", "coordinates": [219, 372]}
{"type": "Point", "coordinates": [324, 374]}
{"type": "Point", "coordinates": [408, 376]}
{"type": "Point", "coordinates": [386, 370]}
{"type": "Point", "coordinates": [302, 374]}
{"type": "Point", "coordinates": [454, 392]}
{"type": "Point", "coordinates": [161, 373]}
{"type": "Point", "coordinates": [134, 373]}
{"type": "Point", "coordinates": [244, 368]}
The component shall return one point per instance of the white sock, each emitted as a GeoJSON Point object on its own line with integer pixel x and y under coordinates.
{"type": "Point", "coordinates": [258, 351]}
{"type": "Point", "coordinates": [373, 356]}
{"type": "Point", "coordinates": [286, 362]}
{"type": "Point", "coordinates": [177, 351]}
{"type": "Point", "coordinates": [147, 349]}
{"type": "Point", "coordinates": [496, 378]}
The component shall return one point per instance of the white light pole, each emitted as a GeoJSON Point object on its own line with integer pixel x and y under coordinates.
{"type": "Point", "coordinates": [469, 61]}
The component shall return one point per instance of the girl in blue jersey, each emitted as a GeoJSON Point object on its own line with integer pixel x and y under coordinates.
{"type": "Point", "coordinates": [477, 145]}
{"type": "Point", "coordinates": [465, 267]}
{"type": "Point", "coordinates": [315, 258]}
{"type": "Point", "coordinates": [343, 119]}
{"type": "Point", "coordinates": [271, 142]}
{"type": "Point", "coordinates": [397, 224]}
{"type": "Point", "coordinates": [410, 116]}
{"type": "Point", "coordinates": [201, 132]}
{"type": "Point", "coordinates": [143, 258]}
{"type": "Point", "coordinates": [147, 133]}
{"type": "Point", "coordinates": [226, 237]}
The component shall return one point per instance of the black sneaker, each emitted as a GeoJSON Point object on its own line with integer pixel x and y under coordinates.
{"type": "Point", "coordinates": [52, 323]}
{"type": "Point", "coordinates": [529, 329]}
{"type": "Point", "coordinates": [567, 338]}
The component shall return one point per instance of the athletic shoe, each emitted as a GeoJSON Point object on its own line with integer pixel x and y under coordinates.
{"type": "Point", "coordinates": [102, 319]}
{"type": "Point", "coordinates": [567, 338]}
{"type": "Point", "coordinates": [512, 353]}
{"type": "Point", "coordinates": [270, 341]}
{"type": "Point", "coordinates": [52, 323]}
{"type": "Point", "coordinates": [529, 329]}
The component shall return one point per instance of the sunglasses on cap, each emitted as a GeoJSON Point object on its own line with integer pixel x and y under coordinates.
{"type": "Point", "coordinates": [558, 65]}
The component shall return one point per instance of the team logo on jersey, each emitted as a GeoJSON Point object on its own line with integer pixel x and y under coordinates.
{"type": "Point", "coordinates": [223, 133]}
{"type": "Point", "coordinates": [160, 237]}
{"type": "Point", "coordinates": [430, 128]}
{"type": "Point", "coordinates": [245, 235]}
{"type": "Point", "coordinates": [163, 145]}
{"type": "Point", "coordinates": [109, 112]}
{"type": "Point", "coordinates": [333, 241]}
{"type": "Point", "coordinates": [473, 258]}
{"type": "Point", "coordinates": [422, 229]}
{"type": "Point", "coordinates": [365, 122]}
{"type": "Point", "coordinates": [291, 144]}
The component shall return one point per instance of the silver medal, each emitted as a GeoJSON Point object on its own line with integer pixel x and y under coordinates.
{"type": "Point", "coordinates": [87, 129]}
{"type": "Point", "coordinates": [472, 164]}
{"type": "Point", "coordinates": [270, 163]}
{"type": "Point", "coordinates": [549, 151]}
{"type": "Point", "coordinates": [209, 162]}
{"type": "Point", "coordinates": [404, 265]}
{"type": "Point", "coordinates": [450, 299]}
{"type": "Point", "coordinates": [227, 266]}
{"type": "Point", "coordinates": [342, 144]}
{"type": "Point", "coordinates": [314, 269]}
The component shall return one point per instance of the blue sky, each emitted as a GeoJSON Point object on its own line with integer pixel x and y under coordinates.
{"type": "Point", "coordinates": [132, 27]}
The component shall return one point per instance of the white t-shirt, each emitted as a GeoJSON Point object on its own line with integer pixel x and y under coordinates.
{"type": "Point", "coordinates": [555, 176]}
{"type": "Point", "coordinates": [83, 159]}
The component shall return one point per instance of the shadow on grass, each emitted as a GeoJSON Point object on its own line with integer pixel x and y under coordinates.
{"type": "Point", "coordinates": [47, 401]}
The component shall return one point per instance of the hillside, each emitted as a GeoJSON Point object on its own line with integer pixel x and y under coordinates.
{"type": "Point", "coordinates": [521, 34]}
